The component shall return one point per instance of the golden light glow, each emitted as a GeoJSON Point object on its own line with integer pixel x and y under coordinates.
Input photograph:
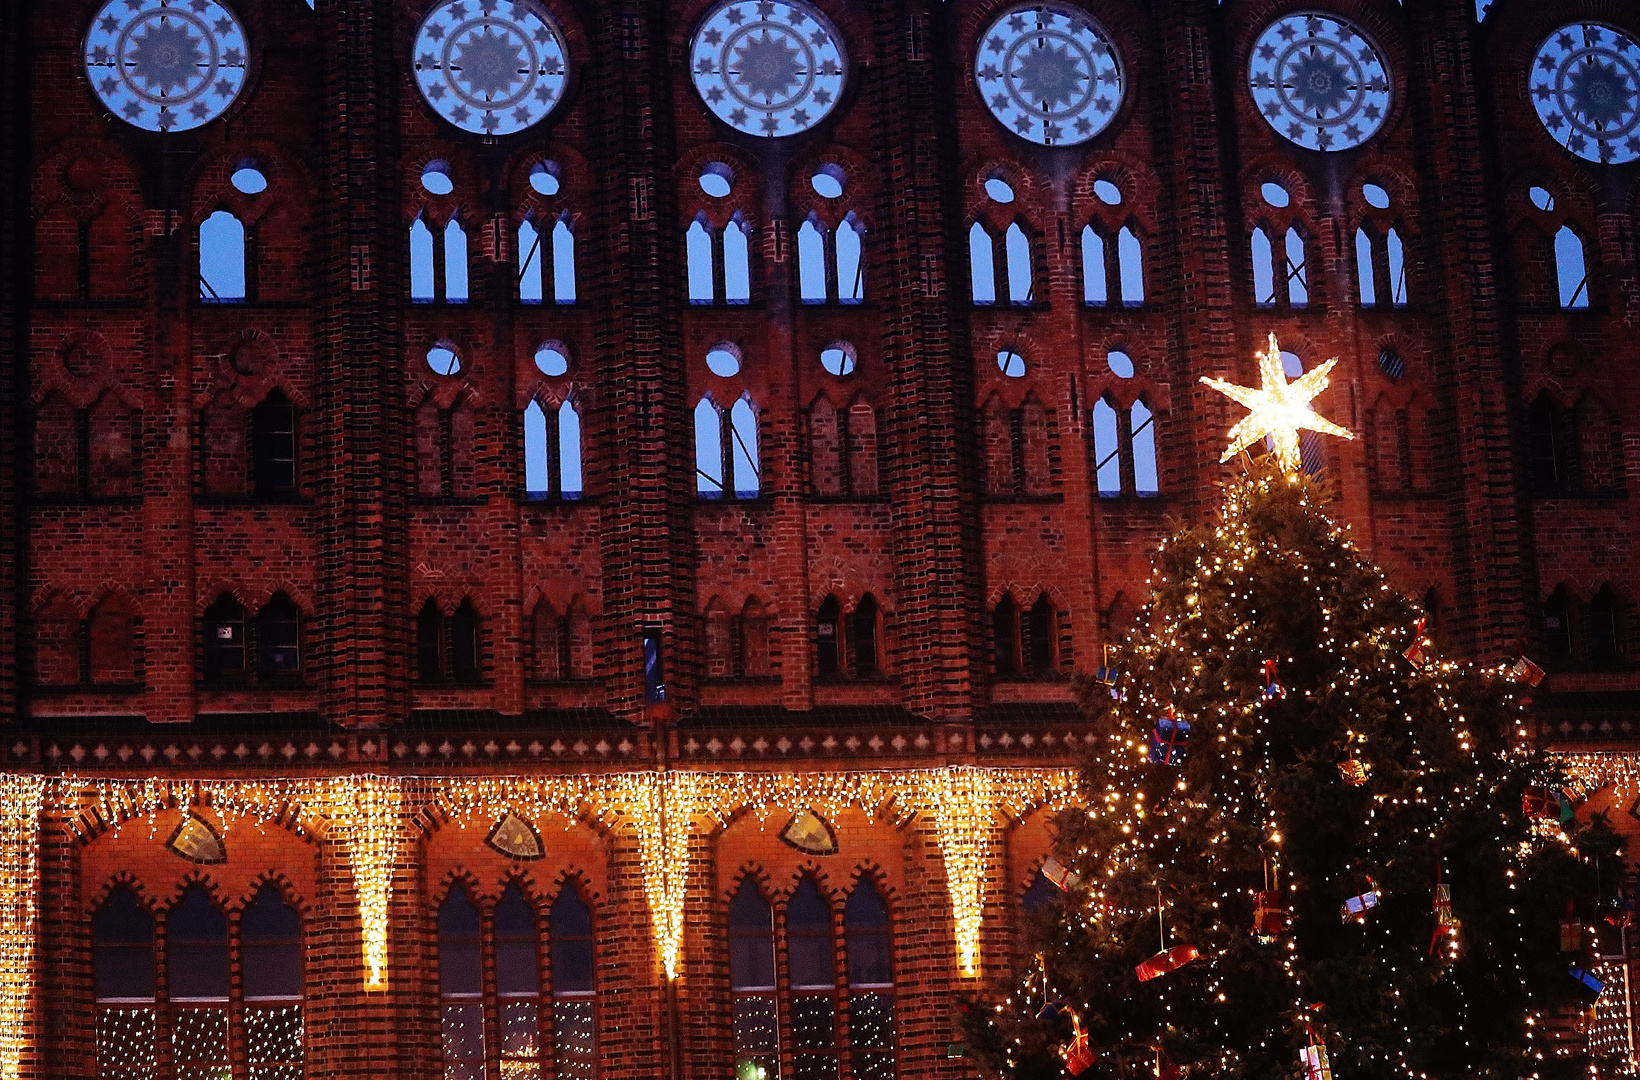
{"type": "Point", "coordinates": [20, 800]}
{"type": "Point", "coordinates": [1280, 409]}
{"type": "Point", "coordinates": [666, 810]}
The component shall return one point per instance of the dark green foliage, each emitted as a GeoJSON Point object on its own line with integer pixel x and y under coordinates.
{"type": "Point", "coordinates": [1274, 578]}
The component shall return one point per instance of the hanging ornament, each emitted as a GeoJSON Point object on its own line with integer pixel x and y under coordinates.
{"type": "Point", "coordinates": [1525, 671]}
{"type": "Point", "coordinates": [1108, 675]}
{"type": "Point", "coordinates": [1168, 959]}
{"type": "Point", "coordinates": [1059, 874]}
{"type": "Point", "coordinates": [1537, 800]}
{"type": "Point", "coordinates": [1352, 770]}
{"type": "Point", "coordinates": [1444, 919]}
{"type": "Point", "coordinates": [1621, 914]}
{"type": "Point", "coordinates": [1272, 685]}
{"type": "Point", "coordinates": [1314, 1058]}
{"type": "Point", "coordinates": [1415, 651]}
{"type": "Point", "coordinates": [1269, 913]}
{"type": "Point", "coordinates": [1571, 930]}
{"type": "Point", "coordinates": [1165, 1068]}
{"type": "Point", "coordinates": [1167, 742]}
{"type": "Point", "coordinates": [1589, 987]}
{"type": "Point", "coordinates": [1078, 1053]}
{"type": "Point", "coordinates": [1356, 907]}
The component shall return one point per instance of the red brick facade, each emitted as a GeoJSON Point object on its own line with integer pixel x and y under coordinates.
{"type": "Point", "coordinates": [929, 553]}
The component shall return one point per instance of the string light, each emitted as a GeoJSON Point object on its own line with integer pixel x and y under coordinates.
{"type": "Point", "coordinates": [363, 813]}
{"type": "Point", "coordinates": [20, 801]}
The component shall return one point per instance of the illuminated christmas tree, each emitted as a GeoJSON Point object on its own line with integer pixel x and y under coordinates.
{"type": "Point", "coordinates": [1308, 838]}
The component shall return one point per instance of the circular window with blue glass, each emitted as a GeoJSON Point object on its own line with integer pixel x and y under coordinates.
{"type": "Point", "coordinates": [166, 65]}
{"type": "Point", "coordinates": [1319, 81]}
{"type": "Point", "coordinates": [767, 67]}
{"type": "Point", "coordinates": [1049, 74]}
{"type": "Point", "coordinates": [490, 67]}
{"type": "Point", "coordinates": [1585, 86]}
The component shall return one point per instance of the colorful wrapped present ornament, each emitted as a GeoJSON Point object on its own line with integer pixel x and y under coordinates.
{"type": "Point", "coordinates": [1353, 771]}
{"type": "Point", "coordinates": [1272, 685]}
{"type": "Point", "coordinates": [1527, 672]}
{"type": "Point", "coordinates": [1059, 874]}
{"type": "Point", "coordinates": [1589, 987]}
{"type": "Point", "coordinates": [1168, 741]}
{"type": "Point", "coordinates": [1415, 652]}
{"type": "Point", "coordinates": [1314, 1059]}
{"type": "Point", "coordinates": [1108, 675]}
{"type": "Point", "coordinates": [1165, 961]}
{"type": "Point", "coordinates": [1269, 917]}
{"type": "Point", "coordinates": [1356, 907]}
{"type": "Point", "coordinates": [1078, 1054]}
{"type": "Point", "coordinates": [1444, 919]}
{"type": "Point", "coordinates": [1536, 800]}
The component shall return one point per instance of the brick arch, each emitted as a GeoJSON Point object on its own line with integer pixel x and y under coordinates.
{"type": "Point", "coordinates": [445, 393]}
{"type": "Point", "coordinates": [298, 595]}
{"type": "Point", "coordinates": [1389, 173]}
{"type": "Point", "coordinates": [291, 183]}
{"type": "Point", "coordinates": [792, 879]}
{"type": "Point", "coordinates": [282, 884]}
{"type": "Point", "coordinates": [196, 875]}
{"type": "Point", "coordinates": [755, 872]}
{"type": "Point", "coordinates": [117, 591]}
{"type": "Point", "coordinates": [575, 176]}
{"type": "Point", "coordinates": [466, 174]}
{"type": "Point", "coordinates": [869, 870]}
{"type": "Point", "coordinates": [1134, 177]}
{"type": "Point", "coordinates": [578, 879]}
{"type": "Point", "coordinates": [246, 392]}
{"type": "Point", "coordinates": [1278, 168]}
{"type": "Point", "coordinates": [1033, 194]}
{"type": "Point", "coordinates": [122, 879]}
{"type": "Point", "coordinates": [47, 597]}
{"type": "Point", "coordinates": [464, 878]}
{"type": "Point", "coordinates": [209, 592]}
{"type": "Point", "coordinates": [860, 187]}
{"type": "Point", "coordinates": [119, 181]}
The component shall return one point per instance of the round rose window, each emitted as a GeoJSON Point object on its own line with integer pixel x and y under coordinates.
{"type": "Point", "coordinates": [1319, 81]}
{"type": "Point", "coordinates": [1586, 89]}
{"type": "Point", "coordinates": [491, 67]}
{"type": "Point", "coordinates": [166, 65]}
{"type": "Point", "coordinates": [768, 68]}
{"type": "Point", "coordinates": [1049, 74]}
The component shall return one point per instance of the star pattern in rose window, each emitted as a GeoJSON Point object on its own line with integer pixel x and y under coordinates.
{"type": "Point", "coordinates": [490, 67]}
{"type": "Point", "coordinates": [1049, 74]}
{"type": "Point", "coordinates": [166, 65]}
{"type": "Point", "coordinates": [1585, 86]}
{"type": "Point", "coordinates": [768, 68]}
{"type": "Point", "coordinates": [1319, 81]}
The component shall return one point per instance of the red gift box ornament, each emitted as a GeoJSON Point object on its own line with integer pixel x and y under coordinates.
{"type": "Point", "coordinates": [1059, 874]}
{"type": "Point", "coordinates": [1444, 919]}
{"type": "Point", "coordinates": [1415, 652]}
{"type": "Point", "coordinates": [1168, 741]}
{"type": "Point", "coordinates": [1078, 1053]}
{"type": "Point", "coordinates": [1269, 913]}
{"type": "Point", "coordinates": [1356, 907]}
{"type": "Point", "coordinates": [1352, 770]}
{"type": "Point", "coordinates": [1168, 959]}
{"type": "Point", "coordinates": [1536, 800]}
{"type": "Point", "coordinates": [1272, 685]}
{"type": "Point", "coordinates": [1525, 671]}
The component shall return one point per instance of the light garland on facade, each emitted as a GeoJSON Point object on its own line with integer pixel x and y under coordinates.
{"type": "Point", "coordinates": [664, 808]}
{"type": "Point", "coordinates": [20, 800]}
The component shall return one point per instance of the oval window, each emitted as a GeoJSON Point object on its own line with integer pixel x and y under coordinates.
{"type": "Point", "coordinates": [1542, 198]}
{"type": "Point", "coordinates": [544, 178]}
{"type": "Point", "coordinates": [436, 179]}
{"type": "Point", "coordinates": [716, 179]}
{"type": "Point", "coordinates": [249, 179]}
{"type": "Point", "coordinates": [722, 362]}
{"type": "Point", "coordinates": [442, 358]}
{"type": "Point", "coordinates": [1376, 196]}
{"type": "Point", "coordinates": [999, 190]}
{"type": "Point", "coordinates": [551, 360]}
{"type": "Point", "coordinates": [1107, 192]}
{"type": "Point", "coordinates": [1121, 364]}
{"type": "Point", "coordinates": [1010, 363]}
{"type": "Point", "coordinates": [838, 358]}
{"type": "Point", "coordinates": [828, 182]}
{"type": "Point", "coordinates": [1275, 194]}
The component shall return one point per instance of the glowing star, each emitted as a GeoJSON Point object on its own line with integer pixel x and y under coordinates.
{"type": "Point", "coordinates": [1280, 409]}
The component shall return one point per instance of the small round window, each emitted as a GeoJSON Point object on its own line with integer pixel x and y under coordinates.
{"type": "Point", "coordinates": [443, 359]}
{"type": "Point", "coordinates": [1121, 364]}
{"type": "Point", "coordinates": [998, 190]}
{"type": "Point", "coordinates": [1376, 196]}
{"type": "Point", "coordinates": [544, 178]}
{"type": "Point", "coordinates": [1010, 363]}
{"type": "Point", "coordinates": [551, 359]}
{"type": "Point", "coordinates": [1542, 198]}
{"type": "Point", "coordinates": [723, 360]}
{"type": "Point", "coordinates": [436, 178]}
{"type": "Point", "coordinates": [249, 179]}
{"type": "Point", "coordinates": [1291, 364]}
{"type": "Point", "coordinates": [1275, 194]}
{"type": "Point", "coordinates": [828, 182]}
{"type": "Point", "coordinates": [838, 358]}
{"type": "Point", "coordinates": [717, 179]}
{"type": "Point", "coordinates": [1107, 192]}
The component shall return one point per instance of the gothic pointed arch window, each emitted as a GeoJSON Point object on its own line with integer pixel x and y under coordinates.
{"type": "Point", "coordinates": [518, 982]}
{"type": "Point", "coordinates": [1264, 268]}
{"type": "Point", "coordinates": [273, 446]}
{"type": "Point", "coordinates": [552, 451]}
{"type": "Point", "coordinates": [1039, 639]}
{"type": "Point", "coordinates": [224, 252]}
{"type": "Point", "coordinates": [455, 262]}
{"type": "Point", "coordinates": [864, 634]}
{"type": "Point", "coordinates": [196, 961]}
{"type": "Point", "coordinates": [1571, 268]}
{"type": "Point", "coordinates": [574, 1015]}
{"type": "Point", "coordinates": [752, 980]}
{"type": "Point", "coordinates": [1603, 625]}
{"type": "Point", "coordinates": [982, 265]}
{"type": "Point", "coordinates": [828, 647]}
{"type": "Point", "coordinates": [1549, 447]}
{"type": "Point", "coordinates": [869, 940]}
{"type": "Point", "coordinates": [278, 639]}
{"type": "Point", "coordinates": [1559, 626]}
{"type": "Point", "coordinates": [811, 967]}
{"type": "Point", "coordinates": [271, 958]}
{"type": "Point", "coordinates": [461, 987]}
{"type": "Point", "coordinates": [1130, 267]}
{"type": "Point", "coordinates": [421, 262]}
{"type": "Point", "coordinates": [699, 247]}
{"type": "Point", "coordinates": [848, 240]}
{"type": "Point", "coordinates": [224, 640]}
{"type": "Point", "coordinates": [124, 978]}
{"type": "Point", "coordinates": [430, 643]}
{"type": "Point", "coordinates": [1095, 280]}
{"type": "Point", "coordinates": [1005, 662]}
{"type": "Point", "coordinates": [811, 261]}
{"type": "Point", "coordinates": [1021, 275]}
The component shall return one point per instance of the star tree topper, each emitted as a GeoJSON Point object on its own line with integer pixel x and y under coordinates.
{"type": "Point", "coordinates": [1280, 409]}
